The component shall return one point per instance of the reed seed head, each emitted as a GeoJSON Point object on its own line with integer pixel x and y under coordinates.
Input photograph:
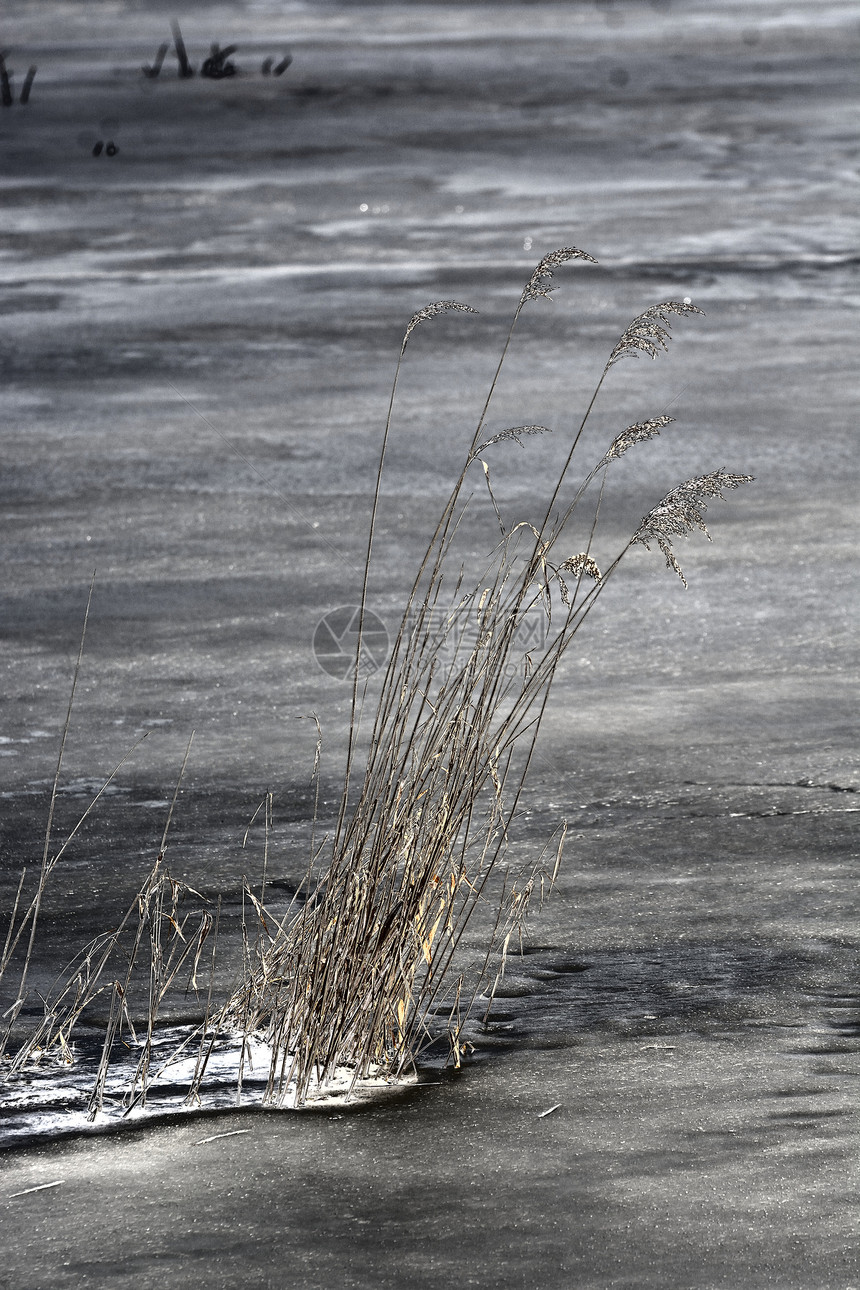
{"type": "Point", "coordinates": [581, 565]}
{"type": "Point", "coordinates": [651, 331]}
{"type": "Point", "coordinates": [540, 283]}
{"type": "Point", "coordinates": [577, 566]}
{"type": "Point", "coordinates": [639, 433]}
{"type": "Point", "coordinates": [513, 433]}
{"type": "Point", "coordinates": [681, 511]}
{"type": "Point", "coordinates": [430, 311]}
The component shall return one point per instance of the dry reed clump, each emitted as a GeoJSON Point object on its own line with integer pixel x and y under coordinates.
{"type": "Point", "coordinates": [359, 976]}
{"type": "Point", "coordinates": [359, 972]}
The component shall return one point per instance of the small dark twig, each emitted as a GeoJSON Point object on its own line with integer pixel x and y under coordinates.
{"type": "Point", "coordinates": [5, 83]}
{"type": "Point", "coordinates": [151, 72]}
{"type": "Point", "coordinates": [218, 64]}
{"type": "Point", "coordinates": [185, 68]}
{"type": "Point", "coordinates": [28, 84]}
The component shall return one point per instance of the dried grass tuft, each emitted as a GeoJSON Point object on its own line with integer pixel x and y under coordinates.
{"type": "Point", "coordinates": [360, 976]}
{"type": "Point", "coordinates": [368, 966]}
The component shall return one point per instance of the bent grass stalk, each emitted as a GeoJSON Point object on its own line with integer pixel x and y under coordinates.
{"type": "Point", "coordinates": [32, 914]}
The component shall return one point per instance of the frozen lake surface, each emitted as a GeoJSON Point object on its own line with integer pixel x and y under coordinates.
{"type": "Point", "coordinates": [199, 336]}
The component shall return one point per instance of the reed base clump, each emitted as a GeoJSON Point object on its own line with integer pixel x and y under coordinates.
{"type": "Point", "coordinates": [368, 969]}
